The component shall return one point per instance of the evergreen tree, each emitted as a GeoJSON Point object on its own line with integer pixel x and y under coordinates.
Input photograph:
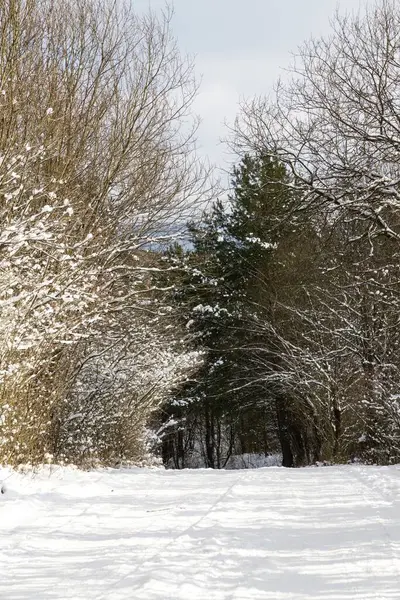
{"type": "Point", "coordinates": [229, 283]}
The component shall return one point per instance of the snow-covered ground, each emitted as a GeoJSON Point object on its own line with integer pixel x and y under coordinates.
{"type": "Point", "coordinates": [329, 533]}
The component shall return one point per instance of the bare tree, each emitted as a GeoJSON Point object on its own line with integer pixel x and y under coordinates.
{"type": "Point", "coordinates": [335, 122]}
{"type": "Point", "coordinates": [97, 165]}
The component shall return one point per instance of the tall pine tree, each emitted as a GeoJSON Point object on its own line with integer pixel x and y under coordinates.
{"type": "Point", "coordinates": [242, 261]}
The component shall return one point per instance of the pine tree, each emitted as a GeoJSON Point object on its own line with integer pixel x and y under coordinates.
{"type": "Point", "coordinates": [242, 253]}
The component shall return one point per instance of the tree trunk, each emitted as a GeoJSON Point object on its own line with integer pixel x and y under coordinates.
{"type": "Point", "coordinates": [210, 440]}
{"type": "Point", "coordinates": [283, 433]}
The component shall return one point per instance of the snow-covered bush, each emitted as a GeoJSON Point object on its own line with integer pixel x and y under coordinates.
{"type": "Point", "coordinates": [123, 377]}
{"type": "Point", "coordinates": [47, 291]}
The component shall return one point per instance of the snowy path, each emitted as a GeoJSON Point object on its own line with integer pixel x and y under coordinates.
{"type": "Point", "coordinates": [267, 534]}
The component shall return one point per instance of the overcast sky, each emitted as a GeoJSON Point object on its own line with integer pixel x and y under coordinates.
{"type": "Point", "coordinates": [241, 47]}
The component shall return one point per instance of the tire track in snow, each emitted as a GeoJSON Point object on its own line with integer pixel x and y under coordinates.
{"type": "Point", "coordinates": [237, 480]}
{"type": "Point", "coordinates": [136, 570]}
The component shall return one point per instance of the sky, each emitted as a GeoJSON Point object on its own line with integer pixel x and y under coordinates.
{"type": "Point", "coordinates": [241, 47]}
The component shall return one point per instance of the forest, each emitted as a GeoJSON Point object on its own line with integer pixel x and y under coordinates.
{"type": "Point", "coordinates": [150, 312]}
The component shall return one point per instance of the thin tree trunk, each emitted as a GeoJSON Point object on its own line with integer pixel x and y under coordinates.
{"type": "Point", "coordinates": [283, 433]}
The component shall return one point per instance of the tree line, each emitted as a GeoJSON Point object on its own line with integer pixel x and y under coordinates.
{"type": "Point", "coordinates": [292, 286]}
{"type": "Point", "coordinates": [274, 327]}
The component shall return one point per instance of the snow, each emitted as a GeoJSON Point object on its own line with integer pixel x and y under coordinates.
{"type": "Point", "coordinates": [330, 533]}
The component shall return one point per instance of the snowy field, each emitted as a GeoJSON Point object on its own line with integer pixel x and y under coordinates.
{"type": "Point", "coordinates": [267, 534]}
